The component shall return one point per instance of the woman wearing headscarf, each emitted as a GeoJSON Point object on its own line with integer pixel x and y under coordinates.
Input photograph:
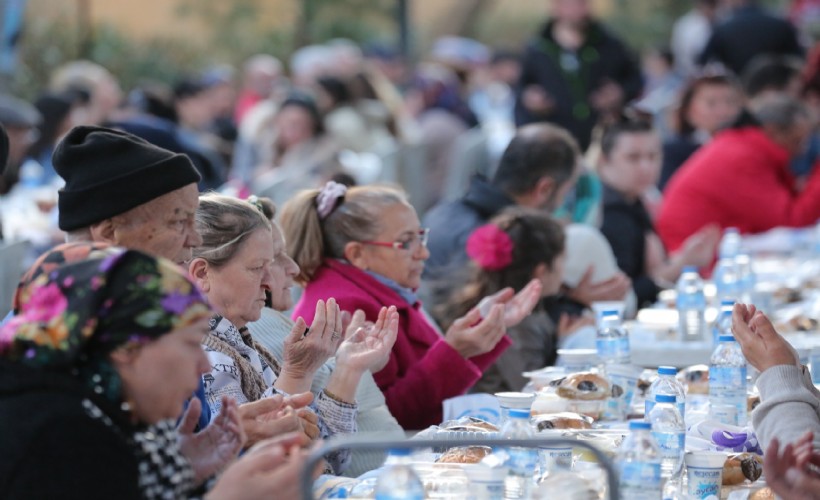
{"type": "Point", "coordinates": [94, 370]}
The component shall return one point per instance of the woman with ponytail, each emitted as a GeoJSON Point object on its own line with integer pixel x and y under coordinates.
{"type": "Point", "coordinates": [365, 247]}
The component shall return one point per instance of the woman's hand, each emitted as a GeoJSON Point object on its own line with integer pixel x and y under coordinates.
{"type": "Point", "coordinates": [268, 470]}
{"type": "Point", "coordinates": [567, 325]}
{"type": "Point", "coordinates": [213, 448]}
{"type": "Point", "coordinates": [369, 348]}
{"type": "Point", "coordinates": [471, 336]}
{"type": "Point", "coordinates": [517, 306]}
{"type": "Point", "coordinates": [762, 346]}
{"type": "Point", "coordinates": [700, 248]}
{"type": "Point", "coordinates": [274, 416]}
{"type": "Point", "coordinates": [586, 292]}
{"type": "Point", "coordinates": [306, 352]}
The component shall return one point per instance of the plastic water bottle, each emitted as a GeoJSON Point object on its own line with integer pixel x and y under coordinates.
{"type": "Point", "coordinates": [727, 382]}
{"type": "Point", "coordinates": [666, 385]}
{"type": "Point", "coordinates": [612, 340]}
{"type": "Point", "coordinates": [639, 464]}
{"type": "Point", "coordinates": [725, 278]}
{"type": "Point", "coordinates": [746, 279]}
{"type": "Point", "coordinates": [31, 174]}
{"type": "Point", "coordinates": [723, 322]}
{"type": "Point", "coordinates": [676, 487]}
{"type": "Point", "coordinates": [691, 305]}
{"type": "Point", "coordinates": [399, 480]}
{"type": "Point", "coordinates": [730, 243]}
{"type": "Point", "coordinates": [520, 462]}
{"type": "Point", "coordinates": [669, 432]}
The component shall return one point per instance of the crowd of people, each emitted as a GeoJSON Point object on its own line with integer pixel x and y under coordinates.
{"type": "Point", "coordinates": [234, 272]}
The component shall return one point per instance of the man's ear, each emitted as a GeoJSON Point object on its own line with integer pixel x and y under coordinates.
{"type": "Point", "coordinates": [545, 188]}
{"type": "Point", "coordinates": [104, 231]}
{"type": "Point", "coordinates": [198, 270]}
{"type": "Point", "coordinates": [355, 254]}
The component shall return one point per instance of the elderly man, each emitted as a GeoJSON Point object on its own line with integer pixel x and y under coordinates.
{"type": "Point", "coordinates": [124, 191]}
{"type": "Point", "coordinates": [742, 177]}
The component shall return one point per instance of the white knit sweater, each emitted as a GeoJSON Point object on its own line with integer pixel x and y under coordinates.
{"type": "Point", "coordinates": [789, 406]}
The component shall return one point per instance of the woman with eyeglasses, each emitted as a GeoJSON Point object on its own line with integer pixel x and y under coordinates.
{"type": "Point", "coordinates": [365, 247]}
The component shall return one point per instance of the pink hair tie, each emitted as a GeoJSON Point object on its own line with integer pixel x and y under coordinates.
{"type": "Point", "coordinates": [490, 247]}
{"type": "Point", "coordinates": [328, 198]}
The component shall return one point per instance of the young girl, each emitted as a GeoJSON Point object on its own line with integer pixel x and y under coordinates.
{"type": "Point", "coordinates": [515, 247]}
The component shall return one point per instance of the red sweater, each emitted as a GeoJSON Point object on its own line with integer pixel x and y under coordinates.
{"type": "Point", "coordinates": [740, 179]}
{"type": "Point", "coordinates": [423, 369]}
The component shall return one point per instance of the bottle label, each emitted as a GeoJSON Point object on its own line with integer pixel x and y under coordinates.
{"type": "Point", "coordinates": [610, 349]}
{"type": "Point", "coordinates": [640, 481]}
{"type": "Point", "coordinates": [670, 443]}
{"type": "Point", "coordinates": [727, 387]}
{"type": "Point", "coordinates": [649, 404]}
{"type": "Point", "coordinates": [691, 301]}
{"type": "Point", "coordinates": [522, 460]}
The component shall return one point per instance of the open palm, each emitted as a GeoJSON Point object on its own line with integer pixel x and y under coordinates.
{"type": "Point", "coordinates": [369, 349]}
{"type": "Point", "coordinates": [212, 449]}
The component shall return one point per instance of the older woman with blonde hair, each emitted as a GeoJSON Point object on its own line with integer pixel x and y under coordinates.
{"type": "Point", "coordinates": [241, 265]}
{"type": "Point", "coordinates": [365, 247]}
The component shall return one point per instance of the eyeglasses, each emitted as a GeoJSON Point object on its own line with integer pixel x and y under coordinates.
{"type": "Point", "coordinates": [411, 243]}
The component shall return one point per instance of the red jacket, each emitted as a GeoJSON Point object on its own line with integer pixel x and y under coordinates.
{"type": "Point", "coordinates": [740, 179]}
{"type": "Point", "coordinates": [423, 369]}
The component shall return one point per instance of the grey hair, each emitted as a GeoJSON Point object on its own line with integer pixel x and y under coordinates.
{"type": "Point", "coordinates": [779, 111]}
{"type": "Point", "coordinates": [225, 223]}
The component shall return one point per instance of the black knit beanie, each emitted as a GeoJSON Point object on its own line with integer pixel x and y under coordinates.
{"type": "Point", "coordinates": [108, 172]}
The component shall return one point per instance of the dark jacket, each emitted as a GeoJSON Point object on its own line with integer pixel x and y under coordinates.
{"type": "Point", "coordinates": [749, 32]}
{"type": "Point", "coordinates": [452, 222]}
{"type": "Point", "coordinates": [53, 448]}
{"type": "Point", "coordinates": [676, 151]}
{"type": "Point", "coordinates": [602, 58]}
{"type": "Point", "coordinates": [625, 226]}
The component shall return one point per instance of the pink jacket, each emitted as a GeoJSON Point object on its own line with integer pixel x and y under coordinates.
{"type": "Point", "coordinates": [423, 369]}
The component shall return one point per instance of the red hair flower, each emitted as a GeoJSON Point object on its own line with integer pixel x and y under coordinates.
{"type": "Point", "coordinates": [490, 247]}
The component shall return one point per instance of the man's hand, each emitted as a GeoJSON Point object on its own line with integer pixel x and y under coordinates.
{"type": "Point", "coordinates": [762, 346]}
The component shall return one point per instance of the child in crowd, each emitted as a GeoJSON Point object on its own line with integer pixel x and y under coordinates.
{"type": "Point", "coordinates": [515, 247]}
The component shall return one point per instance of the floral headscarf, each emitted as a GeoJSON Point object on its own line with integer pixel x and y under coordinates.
{"type": "Point", "coordinates": [72, 315]}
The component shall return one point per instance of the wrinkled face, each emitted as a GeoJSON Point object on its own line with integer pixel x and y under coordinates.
{"type": "Point", "coordinates": [634, 164]}
{"type": "Point", "coordinates": [294, 125]}
{"type": "Point", "coordinates": [237, 289]}
{"type": "Point", "coordinates": [713, 106]}
{"type": "Point", "coordinates": [159, 376]}
{"type": "Point", "coordinates": [163, 227]}
{"type": "Point", "coordinates": [399, 222]}
{"type": "Point", "coordinates": [552, 278]}
{"type": "Point", "coordinates": [284, 270]}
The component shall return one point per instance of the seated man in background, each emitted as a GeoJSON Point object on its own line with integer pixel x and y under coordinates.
{"type": "Point", "coordinates": [630, 164]}
{"type": "Point", "coordinates": [537, 170]}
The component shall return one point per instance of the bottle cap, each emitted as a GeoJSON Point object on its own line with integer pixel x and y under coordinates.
{"type": "Point", "coordinates": [690, 269]}
{"type": "Point", "coordinates": [400, 452]}
{"type": "Point", "coordinates": [519, 413]}
{"type": "Point", "coordinates": [727, 302]}
{"type": "Point", "coordinates": [727, 338]}
{"type": "Point", "coordinates": [667, 370]}
{"type": "Point", "coordinates": [609, 312]}
{"type": "Point", "coordinates": [666, 398]}
{"type": "Point", "coordinates": [638, 425]}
